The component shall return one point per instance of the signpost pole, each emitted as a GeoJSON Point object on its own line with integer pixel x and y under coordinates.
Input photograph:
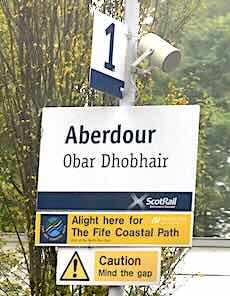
{"type": "Point", "coordinates": [132, 10]}
{"type": "Point", "coordinates": [116, 291]}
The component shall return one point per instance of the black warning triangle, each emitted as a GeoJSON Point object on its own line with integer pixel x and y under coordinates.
{"type": "Point", "coordinates": [75, 270]}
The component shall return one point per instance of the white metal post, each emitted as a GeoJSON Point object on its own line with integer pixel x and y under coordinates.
{"type": "Point", "coordinates": [132, 10]}
{"type": "Point", "coordinates": [116, 291]}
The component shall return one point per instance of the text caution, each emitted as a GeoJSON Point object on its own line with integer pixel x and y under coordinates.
{"type": "Point", "coordinates": [111, 266]}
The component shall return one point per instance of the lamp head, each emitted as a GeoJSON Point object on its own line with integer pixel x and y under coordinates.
{"type": "Point", "coordinates": [165, 56]}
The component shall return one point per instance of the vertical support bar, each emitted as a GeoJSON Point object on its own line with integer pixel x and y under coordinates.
{"type": "Point", "coordinates": [132, 11]}
{"type": "Point", "coordinates": [116, 291]}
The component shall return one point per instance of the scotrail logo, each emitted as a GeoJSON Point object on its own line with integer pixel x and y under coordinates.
{"type": "Point", "coordinates": [163, 202]}
{"type": "Point", "coordinates": [146, 201]}
{"type": "Point", "coordinates": [138, 201]}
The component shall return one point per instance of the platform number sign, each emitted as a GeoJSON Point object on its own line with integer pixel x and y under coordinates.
{"type": "Point", "coordinates": [110, 30]}
{"type": "Point", "coordinates": [109, 48]}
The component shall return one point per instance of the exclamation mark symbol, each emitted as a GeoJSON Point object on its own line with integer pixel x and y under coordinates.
{"type": "Point", "coordinates": [75, 268]}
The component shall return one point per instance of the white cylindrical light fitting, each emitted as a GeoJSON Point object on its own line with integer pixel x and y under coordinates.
{"type": "Point", "coordinates": [165, 56]}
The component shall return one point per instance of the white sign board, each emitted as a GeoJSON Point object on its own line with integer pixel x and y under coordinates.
{"type": "Point", "coordinates": [110, 266]}
{"type": "Point", "coordinates": [109, 48]}
{"type": "Point", "coordinates": [93, 158]}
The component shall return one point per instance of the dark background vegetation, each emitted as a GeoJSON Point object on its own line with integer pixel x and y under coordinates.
{"type": "Point", "coordinates": [45, 48]}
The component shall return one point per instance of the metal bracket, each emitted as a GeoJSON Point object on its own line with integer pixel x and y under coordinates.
{"type": "Point", "coordinates": [142, 72]}
{"type": "Point", "coordinates": [134, 65]}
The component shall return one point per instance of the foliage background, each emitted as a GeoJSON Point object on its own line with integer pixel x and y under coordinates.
{"type": "Point", "coordinates": [45, 56]}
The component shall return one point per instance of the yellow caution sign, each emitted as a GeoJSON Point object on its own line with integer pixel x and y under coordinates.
{"type": "Point", "coordinates": [134, 266]}
{"type": "Point", "coordinates": [108, 266]}
{"type": "Point", "coordinates": [75, 270]}
{"type": "Point", "coordinates": [109, 228]}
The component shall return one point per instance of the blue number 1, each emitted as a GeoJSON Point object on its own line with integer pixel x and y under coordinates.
{"type": "Point", "coordinates": [110, 30]}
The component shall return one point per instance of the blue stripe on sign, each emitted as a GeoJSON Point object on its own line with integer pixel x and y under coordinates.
{"type": "Point", "coordinates": [109, 201]}
{"type": "Point", "coordinates": [106, 83]}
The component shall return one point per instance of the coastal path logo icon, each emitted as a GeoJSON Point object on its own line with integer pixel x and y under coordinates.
{"type": "Point", "coordinates": [53, 228]}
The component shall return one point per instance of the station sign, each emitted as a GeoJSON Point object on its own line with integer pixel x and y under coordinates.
{"type": "Point", "coordinates": [108, 165]}
{"type": "Point", "coordinates": [118, 158]}
{"type": "Point", "coordinates": [109, 48]}
{"type": "Point", "coordinates": [114, 229]}
{"type": "Point", "coordinates": [110, 266]}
